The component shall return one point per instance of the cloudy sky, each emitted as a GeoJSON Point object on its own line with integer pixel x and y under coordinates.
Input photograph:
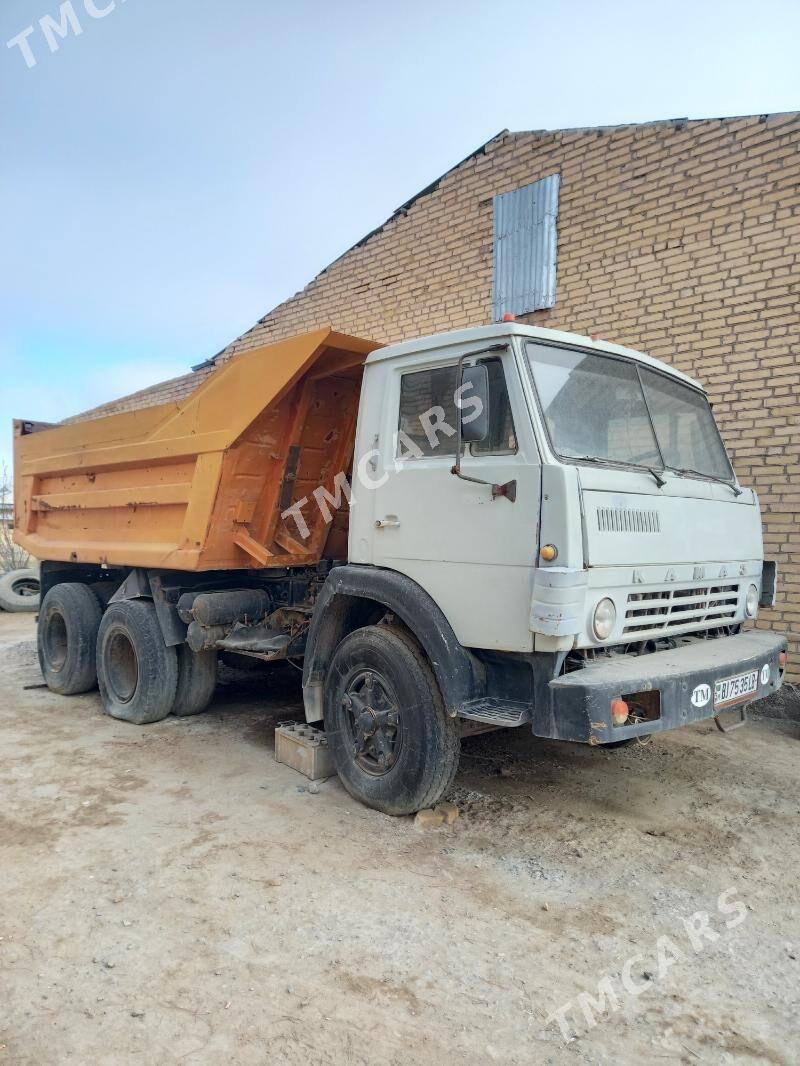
{"type": "Point", "coordinates": [173, 170]}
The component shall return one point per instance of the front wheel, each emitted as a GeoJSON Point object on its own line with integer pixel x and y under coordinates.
{"type": "Point", "coordinates": [394, 745]}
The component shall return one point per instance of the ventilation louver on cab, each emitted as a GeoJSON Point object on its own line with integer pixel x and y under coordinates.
{"type": "Point", "coordinates": [627, 520]}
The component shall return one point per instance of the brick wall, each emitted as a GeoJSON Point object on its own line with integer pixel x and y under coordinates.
{"type": "Point", "coordinates": [681, 239]}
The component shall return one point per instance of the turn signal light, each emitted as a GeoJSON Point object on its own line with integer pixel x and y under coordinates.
{"type": "Point", "coordinates": [619, 712]}
{"type": "Point", "coordinates": [782, 661]}
{"type": "Point", "coordinates": [548, 552]}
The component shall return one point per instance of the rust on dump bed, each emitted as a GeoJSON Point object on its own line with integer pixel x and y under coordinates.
{"type": "Point", "coordinates": [201, 484]}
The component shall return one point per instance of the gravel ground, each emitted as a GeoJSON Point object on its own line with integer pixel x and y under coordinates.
{"type": "Point", "coordinates": [171, 894]}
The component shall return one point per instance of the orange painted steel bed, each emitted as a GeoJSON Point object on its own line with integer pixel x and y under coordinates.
{"type": "Point", "coordinates": [201, 484]}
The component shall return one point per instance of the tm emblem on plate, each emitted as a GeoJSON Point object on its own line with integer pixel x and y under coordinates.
{"type": "Point", "coordinates": [701, 695]}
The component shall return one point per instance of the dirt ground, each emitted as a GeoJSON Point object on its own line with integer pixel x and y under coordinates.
{"type": "Point", "coordinates": [171, 894]}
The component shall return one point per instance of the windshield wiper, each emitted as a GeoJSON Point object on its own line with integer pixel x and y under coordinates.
{"type": "Point", "coordinates": [709, 477]}
{"type": "Point", "coordinates": [621, 463]}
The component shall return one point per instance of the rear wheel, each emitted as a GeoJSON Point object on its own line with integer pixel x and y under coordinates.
{"type": "Point", "coordinates": [67, 638]}
{"type": "Point", "coordinates": [394, 745]}
{"type": "Point", "coordinates": [136, 671]}
{"type": "Point", "coordinates": [197, 679]}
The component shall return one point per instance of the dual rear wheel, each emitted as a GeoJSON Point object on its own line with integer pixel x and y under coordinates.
{"type": "Point", "coordinates": [122, 651]}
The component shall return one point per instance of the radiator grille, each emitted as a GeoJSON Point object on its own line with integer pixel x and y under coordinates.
{"type": "Point", "coordinates": [700, 606]}
{"type": "Point", "coordinates": [627, 520]}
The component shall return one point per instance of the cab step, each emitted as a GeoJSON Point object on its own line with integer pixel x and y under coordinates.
{"type": "Point", "coordinates": [497, 712]}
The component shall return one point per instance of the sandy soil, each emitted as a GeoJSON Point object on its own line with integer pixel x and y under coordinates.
{"type": "Point", "coordinates": [171, 894]}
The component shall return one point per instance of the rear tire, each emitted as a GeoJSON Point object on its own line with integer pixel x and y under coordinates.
{"type": "Point", "coordinates": [19, 591]}
{"type": "Point", "coordinates": [67, 638]}
{"type": "Point", "coordinates": [394, 745]}
{"type": "Point", "coordinates": [197, 680]}
{"type": "Point", "coordinates": [136, 671]}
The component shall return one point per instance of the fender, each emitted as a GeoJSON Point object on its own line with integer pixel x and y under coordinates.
{"type": "Point", "coordinates": [148, 585]}
{"type": "Point", "coordinates": [340, 609]}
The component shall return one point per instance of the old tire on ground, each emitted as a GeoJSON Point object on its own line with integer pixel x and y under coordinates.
{"type": "Point", "coordinates": [136, 671]}
{"type": "Point", "coordinates": [19, 591]}
{"type": "Point", "coordinates": [197, 679]}
{"type": "Point", "coordinates": [67, 638]}
{"type": "Point", "coordinates": [394, 745]}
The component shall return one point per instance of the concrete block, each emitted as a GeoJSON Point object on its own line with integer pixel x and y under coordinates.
{"type": "Point", "coordinates": [428, 819]}
{"type": "Point", "coordinates": [305, 749]}
{"type": "Point", "coordinates": [449, 812]}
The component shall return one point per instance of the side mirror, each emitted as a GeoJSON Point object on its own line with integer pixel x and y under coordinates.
{"type": "Point", "coordinates": [473, 401]}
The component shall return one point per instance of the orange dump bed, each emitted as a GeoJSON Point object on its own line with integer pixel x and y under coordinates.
{"type": "Point", "coordinates": [201, 484]}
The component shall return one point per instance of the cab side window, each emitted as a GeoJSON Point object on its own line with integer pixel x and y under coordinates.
{"type": "Point", "coordinates": [428, 413]}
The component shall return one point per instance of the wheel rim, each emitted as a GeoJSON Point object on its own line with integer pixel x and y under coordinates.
{"type": "Point", "coordinates": [26, 586]}
{"type": "Point", "coordinates": [122, 667]}
{"type": "Point", "coordinates": [372, 717]}
{"type": "Point", "coordinates": [55, 641]}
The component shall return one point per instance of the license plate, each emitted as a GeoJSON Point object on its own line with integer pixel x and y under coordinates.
{"type": "Point", "coordinates": [735, 689]}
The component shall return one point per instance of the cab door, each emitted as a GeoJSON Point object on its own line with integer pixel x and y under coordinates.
{"type": "Point", "coordinates": [473, 554]}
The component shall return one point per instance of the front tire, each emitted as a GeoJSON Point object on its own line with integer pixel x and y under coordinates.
{"type": "Point", "coordinates": [394, 745]}
{"type": "Point", "coordinates": [66, 638]}
{"type": "Point", "coordinates": [136, 671]}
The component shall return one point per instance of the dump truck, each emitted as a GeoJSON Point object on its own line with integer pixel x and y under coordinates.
{"type": "Point", "coordinates": [499, 527]}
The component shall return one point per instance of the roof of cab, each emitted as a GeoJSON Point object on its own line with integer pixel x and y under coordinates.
{"type": "Point", "coordinates": [488, 334]}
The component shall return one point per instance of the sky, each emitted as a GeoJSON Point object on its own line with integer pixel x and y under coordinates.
{"type": "Point", "coordinates": [172, 171]}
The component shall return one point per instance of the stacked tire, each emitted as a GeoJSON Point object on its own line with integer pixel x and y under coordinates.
{"type": "Point", "coordinates": [120, 650]}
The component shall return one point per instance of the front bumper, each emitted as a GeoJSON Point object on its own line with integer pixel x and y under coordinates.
{"type": "Point", "coordinates": [580, 702]}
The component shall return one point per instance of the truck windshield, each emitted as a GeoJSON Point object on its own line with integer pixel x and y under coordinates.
{"type": "Point", "coordinates": [594, 407]}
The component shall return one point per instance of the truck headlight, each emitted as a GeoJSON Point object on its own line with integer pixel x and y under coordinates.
{"type": "Point", "coordinates": [603, 619]}
{"type": "Point", "coordinates": [751, 602]}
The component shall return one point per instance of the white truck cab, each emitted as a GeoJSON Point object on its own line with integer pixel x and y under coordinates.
{"type": "Point", "coordinates": [590, 549]}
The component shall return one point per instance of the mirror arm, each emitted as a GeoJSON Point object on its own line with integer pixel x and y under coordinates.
{"type": "Point", "coordinates": [509, 490]}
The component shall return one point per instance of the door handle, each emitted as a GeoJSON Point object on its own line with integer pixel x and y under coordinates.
{"type": "Point", "coordinates": [391, 521]}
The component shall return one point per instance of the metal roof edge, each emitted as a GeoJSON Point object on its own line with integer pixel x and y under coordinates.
{"type": "Point", "coordinates": [677, 123]}
{"type": "Point", "coordinates": [404, 207]}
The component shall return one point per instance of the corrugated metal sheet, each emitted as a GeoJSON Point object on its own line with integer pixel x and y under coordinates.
{"type": "Point", "coordinates": [525, 245]}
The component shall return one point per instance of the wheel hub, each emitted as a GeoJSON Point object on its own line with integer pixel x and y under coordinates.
{"type": "Point", "coordinates": [374, 721]}
{"type": "Point", "coordinates": [122, 667]}
{"type": "Point", "coordinates": [54, 640]}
